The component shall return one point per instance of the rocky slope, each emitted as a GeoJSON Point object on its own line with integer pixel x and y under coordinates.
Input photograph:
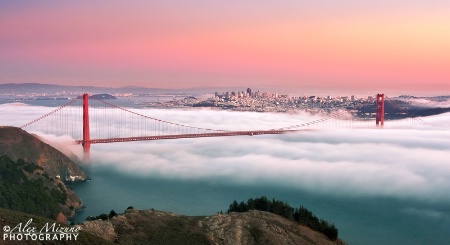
{"type": "Point", "coordinates": [158, 227]}
{"type": "Point", "coordinates": [18, 144]}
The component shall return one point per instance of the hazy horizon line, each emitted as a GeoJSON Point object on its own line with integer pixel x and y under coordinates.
{"type": "Point", "coordinates": [309, 89]}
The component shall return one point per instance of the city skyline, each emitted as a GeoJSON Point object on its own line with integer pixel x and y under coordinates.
{"type": "Point", "coordinates": [365, 46]}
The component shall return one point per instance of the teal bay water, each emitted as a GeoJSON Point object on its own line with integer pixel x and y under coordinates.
{"type": "Point", "coordinates": [359, 220]}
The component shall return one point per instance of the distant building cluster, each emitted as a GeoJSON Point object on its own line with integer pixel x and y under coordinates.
{"type": "Point", "coordinates": [248, 94]}
{"type": "Point", "coordinates": [274, 102]}
{"type": "Point", "coordinates": [249, 100]}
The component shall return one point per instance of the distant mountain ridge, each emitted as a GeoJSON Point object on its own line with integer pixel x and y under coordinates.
{"type": "Point", "coordinates": [29, 88]}
{"type": "Point", "coordinates": [33, 88]}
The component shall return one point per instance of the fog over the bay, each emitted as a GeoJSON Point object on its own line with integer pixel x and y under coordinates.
{"type": "Point", "coordinates": [409, 161]}
{"type": "Point", "coordinates": [424, 102]}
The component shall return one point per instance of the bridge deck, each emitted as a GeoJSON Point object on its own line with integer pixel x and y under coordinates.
{"type": "Point", "coordinates": [181, 136]}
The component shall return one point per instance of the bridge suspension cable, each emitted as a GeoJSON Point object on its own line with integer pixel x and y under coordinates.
{"type": "Point", "coordinates": [50, 113]}
{"type": "Point", "coordinates": [331, 116]}
{"type": "Point", "coordinates": [163, 121]}
{"type": "Point", "coordinates": [407, 113]}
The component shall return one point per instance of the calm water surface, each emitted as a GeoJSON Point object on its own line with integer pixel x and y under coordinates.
{"type": "Point", "coordinates": [359, 220]}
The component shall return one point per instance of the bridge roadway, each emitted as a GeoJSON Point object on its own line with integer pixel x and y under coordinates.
{"type": "Point", "coordinates": [181, 136]}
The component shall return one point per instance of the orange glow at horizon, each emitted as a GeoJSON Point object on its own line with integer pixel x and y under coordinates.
{"type": "Point", "coordinates": [400, 49]}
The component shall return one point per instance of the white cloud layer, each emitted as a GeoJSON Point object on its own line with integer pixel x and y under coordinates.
{"type": "Point", "coordinates": [423, 102]}
{"type": "Point", "coordinates": [412, 162]}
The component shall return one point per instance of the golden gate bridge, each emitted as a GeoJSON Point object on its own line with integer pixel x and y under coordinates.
{"type": "Point", "coordinates": [125, 125]}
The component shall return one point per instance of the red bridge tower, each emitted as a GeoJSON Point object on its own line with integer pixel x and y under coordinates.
{"type": "Point", "coordinates": [86, 135]}
{"type": "Point", "coordinates": [380, 109]}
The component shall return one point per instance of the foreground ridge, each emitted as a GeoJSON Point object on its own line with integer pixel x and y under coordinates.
{"type": "Point", "coordinates": [160, 227]}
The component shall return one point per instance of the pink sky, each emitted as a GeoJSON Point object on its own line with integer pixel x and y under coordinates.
{"type": "Point", "coordinates": [352, 45]}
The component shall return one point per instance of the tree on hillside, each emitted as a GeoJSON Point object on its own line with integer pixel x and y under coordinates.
{"type": "Point", "coordinates": [301, 215]}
